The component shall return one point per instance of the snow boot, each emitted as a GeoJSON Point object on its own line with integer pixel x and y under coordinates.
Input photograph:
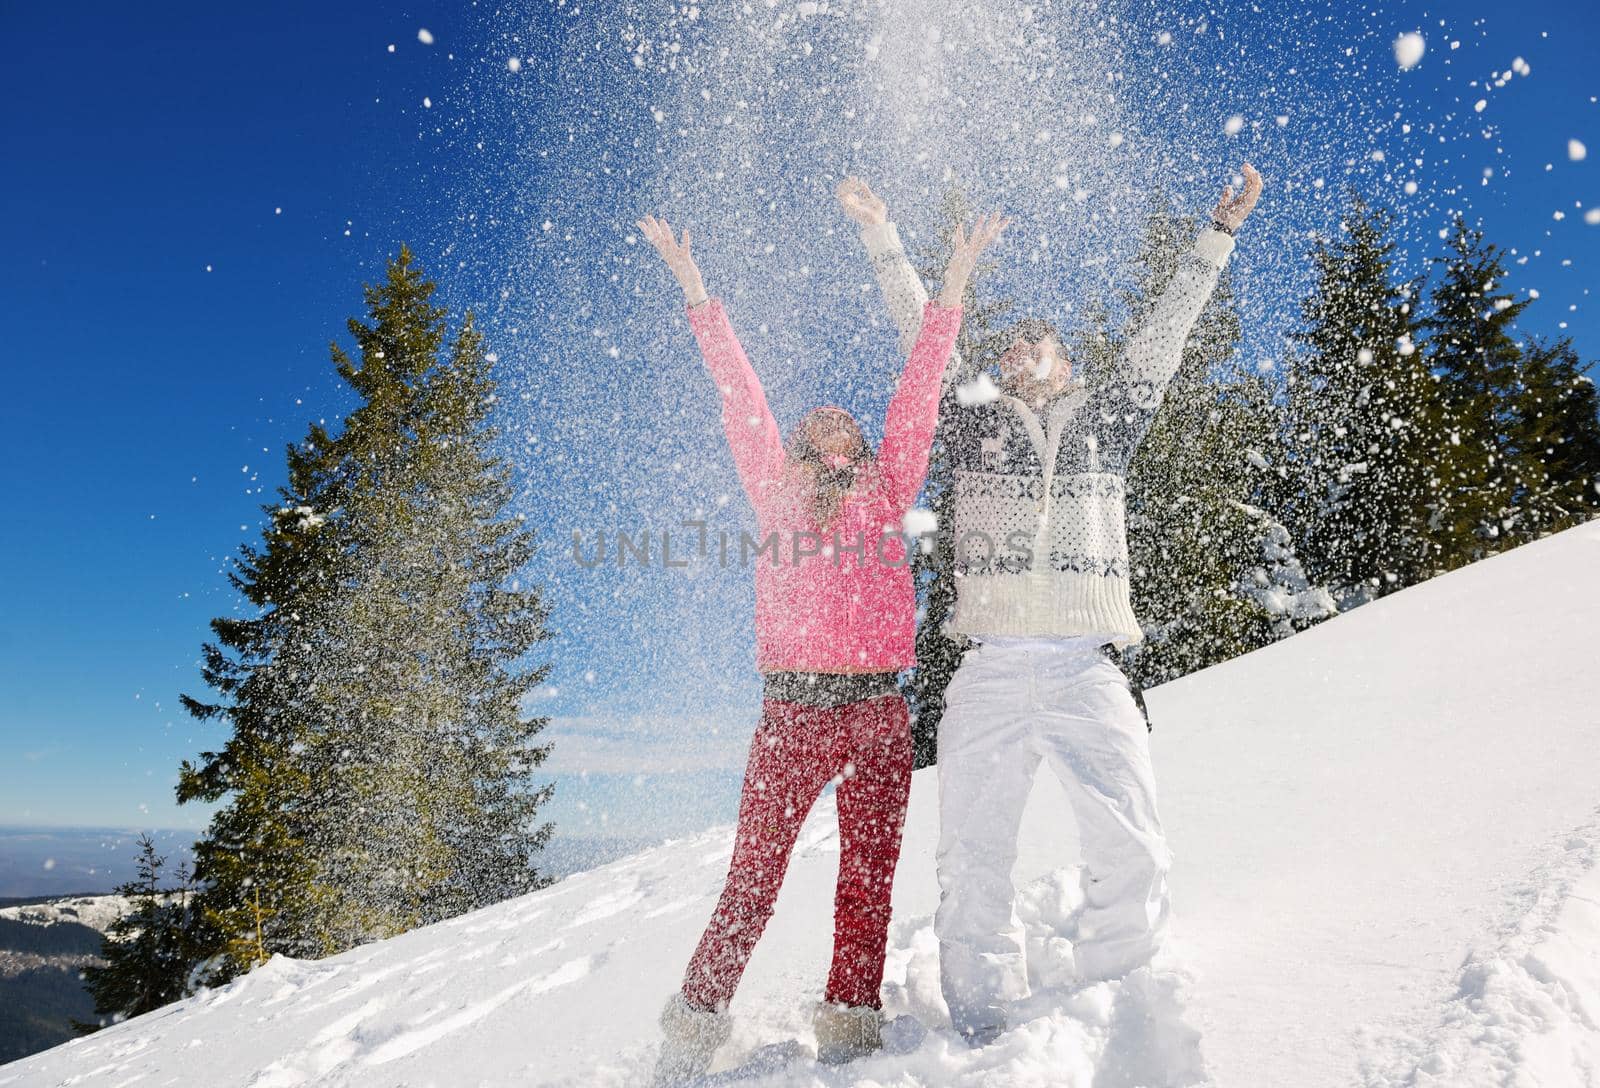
{"type": "Point", "coordinates": [982, 1036]}
{"type": "Point", "coordinates": [846, 1032]}
{"type": "Point", "coordinates": [690, 1038]}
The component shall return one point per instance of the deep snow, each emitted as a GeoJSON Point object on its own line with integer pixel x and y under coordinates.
{"type": "Point", "coordinates": [1385, 832]}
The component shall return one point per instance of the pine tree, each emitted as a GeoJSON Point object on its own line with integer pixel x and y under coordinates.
{"type": "Point", "coordinates": [1554, 441]}
{"type": "Point", "coordinates": [1359, 431]}
{"type": "Point", "coordinates": [254, 858]}
{"type": "Point", "coordinates": [1212, 575]}
{"type": "Point", "coordinates": [431, 816]}
{"type": "Point", "coordinates": [980, 342]}
{"type": "Point", "coordinates": [147, 950]}
{"type": "Point", "coordinates": [379, 772]}
{"type": "Point", "coordinates": [1473, 347]}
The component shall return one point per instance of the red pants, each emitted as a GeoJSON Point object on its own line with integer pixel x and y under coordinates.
{"type": "Point", "coordinates": [796, 750]}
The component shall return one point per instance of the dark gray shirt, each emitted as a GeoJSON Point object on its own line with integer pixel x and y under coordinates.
{"type": "Point", "coordinates": [827, 689]}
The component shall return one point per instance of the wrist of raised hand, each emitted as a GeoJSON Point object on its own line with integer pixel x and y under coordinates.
{"type": "Point", "coordinates": [694, 289]}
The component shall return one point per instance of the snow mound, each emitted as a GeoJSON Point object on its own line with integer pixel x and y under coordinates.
{"type": "Point", "coordinates": [1385, 832]}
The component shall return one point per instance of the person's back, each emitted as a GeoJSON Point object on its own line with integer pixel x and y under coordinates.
{"type": "Point", "coordinates": [834, 592]}
{"type": "Point", "coordinates": [835, 623]}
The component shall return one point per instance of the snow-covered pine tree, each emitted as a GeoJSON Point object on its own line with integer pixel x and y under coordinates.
{"type": "Point", "coordinates": [1200, 552]}
{"type": "Point", "coordinates": [1288, 598]}
{"type": "Point", "coordinates": [379, 773]}
{"type": "Point", "coordinates": [147, 950]}
{"type": "Point", "coordinates": [1472, 346]}
{"type": "Point", "coordinates": [1358, 429]}
{"type": "Point", "coordinates": [981, 341]}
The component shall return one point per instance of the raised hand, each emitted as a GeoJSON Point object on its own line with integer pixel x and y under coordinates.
{"type": "Point", "coordinates": [1231, 211]}
{"type": "Point", "coordinates": [658, 232]}
{"type": "Point", "coordinates": [964, 251]}
{"type": "Point", "coordinates": [861, 203]}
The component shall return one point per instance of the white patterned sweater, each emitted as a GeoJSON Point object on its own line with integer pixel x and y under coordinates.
{"type": "Point", "coordinates": [1040, 533]}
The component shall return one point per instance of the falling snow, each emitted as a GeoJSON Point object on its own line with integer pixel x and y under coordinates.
{"type": "Point", "coordinates": [1408, 50]}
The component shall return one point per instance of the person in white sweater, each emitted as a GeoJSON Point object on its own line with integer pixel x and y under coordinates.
{"type": "Point", "coordinates": [1042, 590]}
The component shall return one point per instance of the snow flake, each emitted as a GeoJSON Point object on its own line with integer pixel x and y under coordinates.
{"type": "Point", "coordinates": [1576, 152]}
{"type": "Point", "coordinates": [1408, 50]}
{"type": "Point", "coordinates": [919, 520]}
{"type": "Point", "coordinates": [980, 390]}
{"type": "Point", "coordinates": [424, 35]}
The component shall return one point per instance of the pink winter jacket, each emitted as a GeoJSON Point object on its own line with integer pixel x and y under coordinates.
{"type": "Point", "coordinates": [854, 610]}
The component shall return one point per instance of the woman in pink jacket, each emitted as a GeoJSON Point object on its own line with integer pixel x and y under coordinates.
{"type": "Point", "coordinates": [835, 624]}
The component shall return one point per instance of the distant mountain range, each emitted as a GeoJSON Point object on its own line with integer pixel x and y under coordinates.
{"type": "Point", "coordinates": [44, 947]}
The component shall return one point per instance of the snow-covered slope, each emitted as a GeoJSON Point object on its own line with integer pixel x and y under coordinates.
{"type": "Point", "coordinates": [1385, 833]}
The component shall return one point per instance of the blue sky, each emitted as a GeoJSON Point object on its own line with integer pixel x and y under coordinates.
{"type": "Point", "coordinates": [194, 200]}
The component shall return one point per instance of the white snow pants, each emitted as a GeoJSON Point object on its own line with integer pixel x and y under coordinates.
{"type": "Point", "coordinates": [1007, 707]}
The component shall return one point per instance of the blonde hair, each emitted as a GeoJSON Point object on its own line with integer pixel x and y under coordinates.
{"type": "Point", "coordinates": [827, 485]}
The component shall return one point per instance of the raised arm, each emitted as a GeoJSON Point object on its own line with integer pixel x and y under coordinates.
{"type": "Point", "coordinates": [914, 410]}
{"type": "Point", "coordinates": [1155, 350]}
{"type": "Point", "coordinates": [752, 431]}
{"type": "Point", "coordinates": [903, 290]}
